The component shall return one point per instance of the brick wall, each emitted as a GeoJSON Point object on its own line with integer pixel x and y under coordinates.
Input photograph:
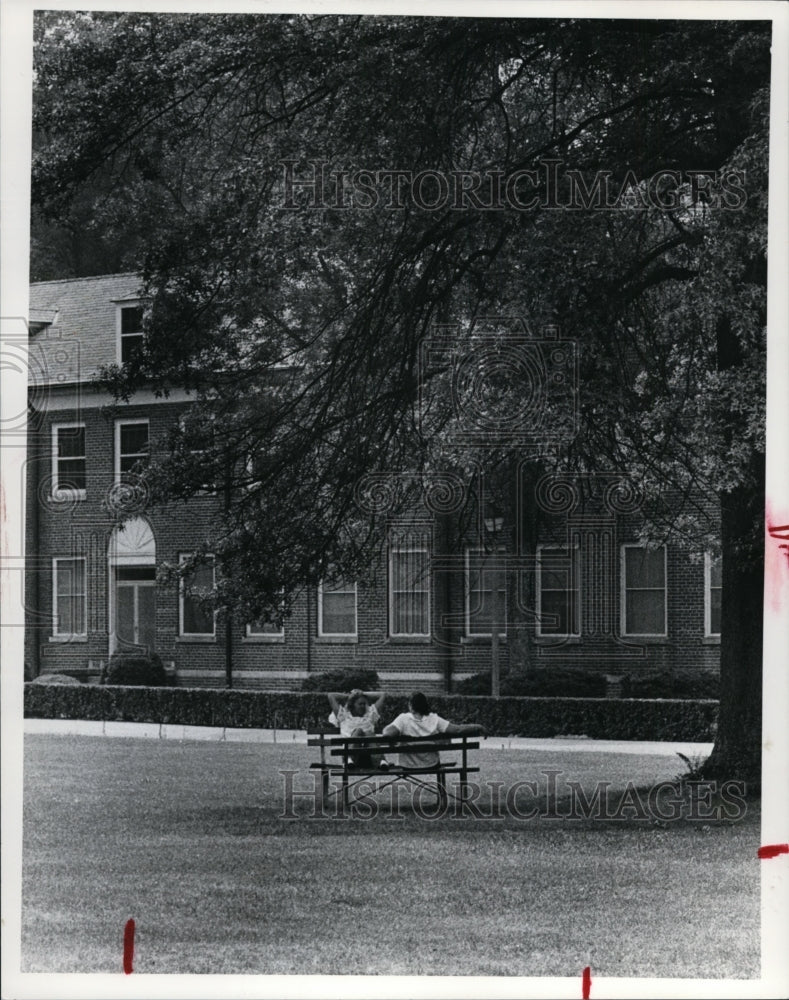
{"type": "Point", "coordinates": [83, 340]}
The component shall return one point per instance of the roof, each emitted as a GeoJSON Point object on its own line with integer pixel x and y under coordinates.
{"type": "Point", "coordinates": [73, 324]}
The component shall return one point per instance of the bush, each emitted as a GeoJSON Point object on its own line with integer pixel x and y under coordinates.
{"type": "Point", "coordinates": [597, 718]}
{"type": "Point", "coordinates": [342, 680]}
{"type": "Point", "coordinates": [56, 679]}
{"type": "Point", "coordinates": [674, 684]}
{"type": "Point", "coordinates": [136, 670]}
{"type": "Point", "coordinates": [542, 682]}
{"type": "Point", "coordinates": [568, 682]}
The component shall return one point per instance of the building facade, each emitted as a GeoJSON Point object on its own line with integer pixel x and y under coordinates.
{"type": "Point", "coordinates": [586, 593]}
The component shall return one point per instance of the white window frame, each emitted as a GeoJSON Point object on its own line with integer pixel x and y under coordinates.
{"type": "Point", "coordinates": [575, 573]}
{"type": "Point", "coordinates": [59, 491]}
{"type": "Point", "coordinates": [393, 549]}
{"type": "Point", "coordinates": [277, 636]}
{"type": "Point", "coordinates": [55, 629]}
{"type": "Point", "coordinates": [339, 635]}
{"type": "Point", "coordinates": [623, 593]}
{"type": "Point", "coordinates": [481, 552]}
{"type": "Point", "coordinates": [211, 561]}
{"type": "Point", "coordinates": [126, 423]}
{"type": "Point", "coordinates": [119, 307]}
{"type": "Point", "coordinates": [208, 489]}
{"type": "Point", "coordinates": [708, 633]}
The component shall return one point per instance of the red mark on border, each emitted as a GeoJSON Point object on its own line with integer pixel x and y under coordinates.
{"type": "Point", "coordinates": [128, 947]}
{"type": "Point", "coordinates": [772, 850]}
{"type": "Point", "coordinates": [586, 983]}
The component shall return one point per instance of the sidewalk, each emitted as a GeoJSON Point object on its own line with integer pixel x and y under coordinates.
{"type": "Point", "coordinates": [153, 730]}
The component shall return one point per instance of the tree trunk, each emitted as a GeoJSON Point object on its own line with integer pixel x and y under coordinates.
{"type": "Point", "coordinates": [737, 750]}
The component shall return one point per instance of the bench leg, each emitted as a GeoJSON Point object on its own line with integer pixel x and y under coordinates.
{"type": "Point", "coordinates": [441, 784]}
{"type": "Point", "coordinates": [324, 787]}
{"type": "Point", "coordinates": [345, 791]}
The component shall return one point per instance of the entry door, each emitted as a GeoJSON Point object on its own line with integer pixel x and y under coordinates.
{"type": "Point", "coordinates": [135, 607]}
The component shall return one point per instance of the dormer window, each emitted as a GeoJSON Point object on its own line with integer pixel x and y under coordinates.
{"type": "Point", "coordinates": [130, 332]}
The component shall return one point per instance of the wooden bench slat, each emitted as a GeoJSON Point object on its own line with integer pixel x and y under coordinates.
{"type": "Point", "coordinates": [398, 748]}
{"type": "Point", "coordinates": [393, 771]}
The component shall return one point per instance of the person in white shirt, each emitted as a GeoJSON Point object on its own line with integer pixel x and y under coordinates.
{"type": "Point", "coordinates": [420, 721]}
{"type": "Point", "coordinates": [359, 716]}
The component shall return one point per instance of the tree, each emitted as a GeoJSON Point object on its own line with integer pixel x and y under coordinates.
{"type": "Point", "coordinates": [232, 146]}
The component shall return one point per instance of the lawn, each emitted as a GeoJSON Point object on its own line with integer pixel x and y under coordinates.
{"type": "Point", "coordinates": [189, 840]}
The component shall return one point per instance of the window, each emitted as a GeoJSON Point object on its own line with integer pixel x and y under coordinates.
{"type": "Point", "coordinates": [196, 617]}
{"type": "Point", "coordinates": [409, 592]}
{"type": "Point", "coordinates": [130, 333]}
{"type": "Point", "coordinates": [68, 459]}
{"type": "Point", "coordinates": [486, 594]}
{"type": "Point", "coordinates": [199, 439]}
{"type": "Point", "coordinates": [69, 606]}
{"type": "Point", "coordinates": [558, 591]}
{"type": "Point", "coordinates": [643, 590]}
{"type": "Point", "coordinates": [337, 608]}
{"type": "Point", "coordinates": [131, 448]}
{"type": "Point", "coordinates": [266, 630]}
{"type": "Point", "coordinates": [712, 595]}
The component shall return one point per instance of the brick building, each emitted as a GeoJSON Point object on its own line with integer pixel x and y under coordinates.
{"type": "Point", "coordinates": [586, 593]}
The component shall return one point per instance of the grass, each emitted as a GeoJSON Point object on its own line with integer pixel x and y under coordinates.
{"type": "Point", "coordinates": [188, 839]}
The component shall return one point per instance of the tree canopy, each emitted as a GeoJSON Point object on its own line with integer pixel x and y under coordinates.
{"type": "Point", "coordinates": [310, 198]}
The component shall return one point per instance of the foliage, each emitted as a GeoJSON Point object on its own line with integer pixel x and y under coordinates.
{"type": "Point", "coordinates": [136, 669]}
{"type": "Point", "coordinates": [342, 680]}
{"type": "Point", "coordinates": [585, 682]}
{"type": "Point", "coordinates": [300, 330]}
{"type": "Point", "coordinates": [55, 679]}
{"type": "Point", "coordinates": [597, 718]}
{"type": "Point", "coordinates": [546, 682]}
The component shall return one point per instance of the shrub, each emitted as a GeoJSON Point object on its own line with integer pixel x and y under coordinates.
{"type": "Point", "coordinates": [568, 682]}
{"type": "Point", "coordinates": [476, 684]}
{"type": "Point", "coordinates": [542, 682]}
{"type": "Point", "coordinates": [597, 718]}
{"type": "Point", "coordinates": [136, 670]}
{"type": "Point", "coordinates": [56, 679]}
{"type": "Point", "coordinates": [674, 684]}
{"type": "Point", "coordinates": [342, 680]}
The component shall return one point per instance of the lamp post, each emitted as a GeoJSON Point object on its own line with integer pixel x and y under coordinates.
{"type": "Point", "coordinates": [493, 526]}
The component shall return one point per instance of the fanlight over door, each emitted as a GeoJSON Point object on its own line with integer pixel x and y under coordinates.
{"type": "Point", "coordinates": [132, 559]}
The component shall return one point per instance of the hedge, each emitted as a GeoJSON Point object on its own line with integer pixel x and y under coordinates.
{"type": "Point", "coordinates": [597, 718]}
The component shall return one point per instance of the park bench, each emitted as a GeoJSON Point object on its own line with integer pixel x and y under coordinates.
{"type": "Point", "coordinates": [336, 753]}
